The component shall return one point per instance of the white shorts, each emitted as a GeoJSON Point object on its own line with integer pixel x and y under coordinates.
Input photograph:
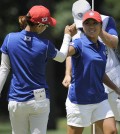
{"type": "Point", "coordinates": [85, 115]}
{"type": "Point", "coordinates": [29, 117]}
{"type": "Point", "coordinates": [115, 104]}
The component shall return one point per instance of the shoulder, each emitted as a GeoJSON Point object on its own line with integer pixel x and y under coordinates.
{"type": "Point", "coordinates": [13, 35]}
{"type": "Point", "coordinates": [107, 18]}
{"type": "Point", "coordinates": [104, 16]}
{"type": "Point", "coordinates": [76, 41]}
{"type": "Point", "coordinates": [80, 42]}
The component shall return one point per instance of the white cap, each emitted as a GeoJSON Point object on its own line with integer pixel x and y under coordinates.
{"type": "Point", "coordinates": [79, 8]}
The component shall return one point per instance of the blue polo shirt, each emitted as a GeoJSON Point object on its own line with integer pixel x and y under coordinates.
{"type": "Point", "coordinates": [88, 68]}
{"type": "Point", "coordinates": [28, 54]}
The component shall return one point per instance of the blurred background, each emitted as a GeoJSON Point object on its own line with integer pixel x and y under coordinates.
{"type": "Point", "coordinates": [61, 10]}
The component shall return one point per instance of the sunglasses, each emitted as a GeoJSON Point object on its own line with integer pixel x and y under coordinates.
{"type": "Point", "coordinates": [46, 25]}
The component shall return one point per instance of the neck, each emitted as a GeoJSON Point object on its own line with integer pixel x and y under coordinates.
{"type": "Point", "coordinates": [94, 40]}
{"type": "Point", "coordinates": [30, 29]}
{"type": "Point", "coordinates": [96, 44]}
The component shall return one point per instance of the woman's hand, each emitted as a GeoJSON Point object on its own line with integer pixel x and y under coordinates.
{"type": "Point", "coordinates": [71, 30]}
{"type": "Point", "coordinates": [66, 81]}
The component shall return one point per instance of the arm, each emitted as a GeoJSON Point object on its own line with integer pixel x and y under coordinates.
{"type": "Point", "coordinates": [108, 39]}
{"type": "Point", "coordinates": [110, 84]}
{"type": "Point", "coordinates": [67, 78]}
{"type": "Point", "coordinates": [69, 32]}
{"type": "Point", "coordinates": [4, 70]}
{"type": "Point", "coordinates": [110, 36]}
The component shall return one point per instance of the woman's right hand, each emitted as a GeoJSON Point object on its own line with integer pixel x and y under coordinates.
{"type": "Point", "coordinates": [71, 30]}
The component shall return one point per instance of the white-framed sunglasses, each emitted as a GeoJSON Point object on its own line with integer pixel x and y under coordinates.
{"type": "Point", "coordinates": [41, 24]}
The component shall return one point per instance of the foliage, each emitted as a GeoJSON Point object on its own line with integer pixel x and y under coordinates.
{"type": "Point", "coordinates": [8, 17]}
{"type": "Point", "coordinates": [112, 7]}
{"type": "Point", "coordinates": [63, 15]}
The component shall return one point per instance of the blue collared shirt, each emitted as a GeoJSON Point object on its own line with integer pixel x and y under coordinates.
{"type": "Point", "coordinates": [28, 54]}
{"type": "Point", "coordinates": [88, 68]}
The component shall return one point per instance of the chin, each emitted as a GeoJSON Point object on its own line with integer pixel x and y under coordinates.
{"type": "Point", "coordinates": [91, 36]}
{"type": "Point", "coordinates": [39, 32]}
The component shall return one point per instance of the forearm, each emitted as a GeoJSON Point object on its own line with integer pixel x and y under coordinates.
{"type": "Point", "coordinates": [62, 54]}
{"type": "Point", "coordinates": [4, 70]}
{"type": "Point", "coordinates": [67, 79]}
{"type": "Point", "coordinates": [68, 66]}
{"type": "Point", "coordinates": [108, 39]}
{"type": "Point", "coordinates": [109, 83]}
{"type": "Point", "coordinates": [70, 31]}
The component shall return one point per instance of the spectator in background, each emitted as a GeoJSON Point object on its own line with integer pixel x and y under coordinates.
{"type": "Point", "coordinates": [26, 53]}
{"type": "Point", "coordinates": [109, 37]}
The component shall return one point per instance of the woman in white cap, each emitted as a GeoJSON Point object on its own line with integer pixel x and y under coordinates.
{"type": "Point", "coordinates": [26, 54]}
{"type": "Point", "coordinates": [87, 101]}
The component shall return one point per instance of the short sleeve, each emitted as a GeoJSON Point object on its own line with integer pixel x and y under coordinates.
{"type": "Point", "coordinates": [52, 51]}
{"type": "Point", "coordinates": [77, 44]}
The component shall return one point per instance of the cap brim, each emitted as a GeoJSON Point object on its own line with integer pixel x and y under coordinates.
{"type": "Point", "coordinates": [52, 21]}
{"type": "Point", "coordinates": [78, 23]}
{"type": "Point", "coordinates": [94, 18]}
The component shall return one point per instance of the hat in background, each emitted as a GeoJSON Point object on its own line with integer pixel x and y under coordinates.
{"type": "Point", "coordinates": [92, 15]}
{"type": "Point", "coordinates": [40, 14]}
{"type": "Point", "coordinates": [79, 8]}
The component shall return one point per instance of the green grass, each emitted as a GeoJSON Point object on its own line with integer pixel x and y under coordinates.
{"type": "Point", "coordinates": [5, 127]}
{"type": "Point", "coordinates": [62, 128]}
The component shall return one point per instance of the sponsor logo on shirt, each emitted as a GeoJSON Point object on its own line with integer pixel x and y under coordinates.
{"type": "Point", "coordinates": [27, 38]}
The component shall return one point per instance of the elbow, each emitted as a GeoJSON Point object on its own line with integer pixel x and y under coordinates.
{"type": "Point", "coordinates": [4, 70]}
{"type": "Point", "coordinates": [114, 43]}
{"type": "Point", "coordinates": [60, 59]}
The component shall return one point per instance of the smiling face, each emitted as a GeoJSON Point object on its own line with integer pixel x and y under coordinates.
{"type": "Point", "coordinates": [92, 29]}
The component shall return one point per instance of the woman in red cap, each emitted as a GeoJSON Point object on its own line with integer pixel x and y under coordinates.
{"type": "Point", "coordinates": [87, 101]}
{"type": "Point", "coordinates": [26, 54]}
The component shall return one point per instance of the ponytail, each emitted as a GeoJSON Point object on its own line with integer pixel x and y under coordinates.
{"type": "Point", "coordinates": [22, 21]}
{"type": "Point", "coordinates": [25, 20]}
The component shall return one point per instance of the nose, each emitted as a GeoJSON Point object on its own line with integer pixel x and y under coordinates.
{"type": "Point", "coordinates": [91, 25]}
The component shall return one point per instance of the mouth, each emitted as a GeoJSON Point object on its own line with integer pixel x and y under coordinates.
{"type": "Point", "coordinates": [92, 31]}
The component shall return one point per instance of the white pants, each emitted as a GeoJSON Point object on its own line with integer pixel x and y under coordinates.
{"type": "Point", "coordinates": [85, 115]}
{"type": "Point", "coordinates": [29, 117]}
{"type": "Point", "coordinates": [115, 104]}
